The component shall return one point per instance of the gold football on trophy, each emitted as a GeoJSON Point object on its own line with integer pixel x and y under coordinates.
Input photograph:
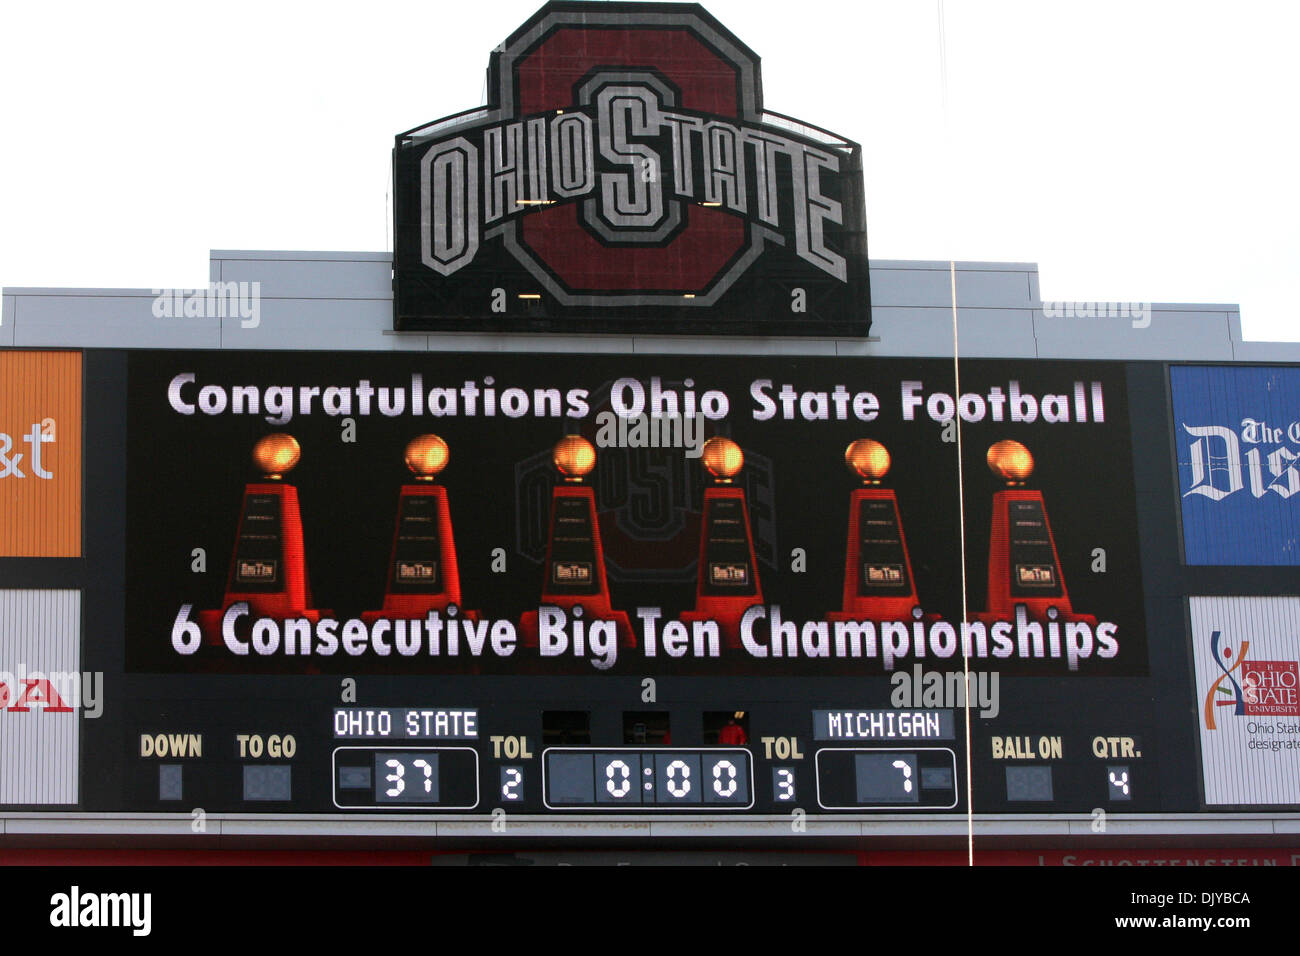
{"type": "Point", "coordinates": [574, 457]}
{"type": "Point", "coordinates": [868, 458]}
{"type": "Point", "coordinates": [722, 457]}
{"type": "Point", "coordinates": [426, 455]}
{"type": "Point", "coordinates": [1010, 460]}
{"type": "Point", "coordinates": [276, 454]}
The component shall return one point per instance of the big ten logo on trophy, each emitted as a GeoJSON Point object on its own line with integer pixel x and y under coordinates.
{"type": "Point", "coordinates": [624, 176]}
{"type": "Point", "coordinates": [40, 454]}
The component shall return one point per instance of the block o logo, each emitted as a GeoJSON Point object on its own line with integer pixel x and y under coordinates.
{"type": "Point", "coordinates": [624, 160]}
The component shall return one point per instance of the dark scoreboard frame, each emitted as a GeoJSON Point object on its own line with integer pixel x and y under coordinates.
{"type": "Point", "coordinates": [1158, 708]}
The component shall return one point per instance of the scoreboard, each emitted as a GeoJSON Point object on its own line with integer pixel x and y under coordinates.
{"type": "Point", "coordinates": [611, 587]}
{"type": "Point", "coordinates": [308, 574]}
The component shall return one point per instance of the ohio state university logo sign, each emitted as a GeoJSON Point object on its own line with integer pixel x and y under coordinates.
{"type": "Point", "coordinates": [625, 177]}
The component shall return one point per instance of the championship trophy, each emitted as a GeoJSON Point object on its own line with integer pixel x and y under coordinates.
{"type": "Point", "coordinates": [727, 581]}
{"type": "Point", "coordinates": [269, 566]}
{"type": "Point", "coordinates": [575, 560]}
{"type": "Point", "coordinates": [878, 582]}
{"type": "Point", "coordinates": [1024, 569]}
{"type": "Point", "coordinates": [423, 575]}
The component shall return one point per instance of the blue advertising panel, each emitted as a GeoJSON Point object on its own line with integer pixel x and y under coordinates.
{"type": "Point", "coordinates": [1237, 435]}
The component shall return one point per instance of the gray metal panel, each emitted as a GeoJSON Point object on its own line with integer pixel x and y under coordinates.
{"type": "Point", "coordinates": [935, 830]}
{"type": "Point", "coordinates": [542, 827]}
{"type": "Point", "coordinates": [1266, 351]}
{"type": "Point", "coordinates": [981, 333]}
{"type": "Point", "coordinates": [40, 638]}
{"type": "Point", "coordinates": [982, 288]}
{"type": "Point", "coordinates": [1118, 825]}
{"type": "Point", "coordinates": [175, 825]}
{"type": "Point", "coordinates": [903, 330]}
{"type": "Point", "coordinates": [7, 309]}
{"type": "Point", "coordinates": [710, 345]}
{"type": "Point", "coordinates": [344, 324]}
{"type": "Point", "coordinates": [1176, 332]}
{"type": "Point", "coordinates": [276, 255]}
{"type": "Point", "coordinates": [499, 342]}
{"type": "Point", "coordinates": [813, 826]}
{"type": "Point", "coordinates": [122, 319]}
{"type": "Point", "coordinates": [341, 300]}
{"type": "Point", "coordinates": [941, 265]}
{"type": "Point", "coordinates": [933, 287]}
{"type": "Point", "coordinates": [625, 344]}
{"type": "Point", "coordinates": [315, 278]}
{"type": "Point", "coordinates": [1049, 826]}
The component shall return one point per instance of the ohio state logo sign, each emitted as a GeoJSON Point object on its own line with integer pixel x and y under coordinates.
{"type": "Point", "coordinates": [625, 177]}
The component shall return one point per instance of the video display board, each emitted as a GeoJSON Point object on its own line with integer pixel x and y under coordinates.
{"type": "Point", "coordinates": [495, 553]}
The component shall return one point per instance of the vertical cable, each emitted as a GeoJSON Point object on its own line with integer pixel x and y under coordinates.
{"type": "Point", "coordinates": [961, 525]}
{"type": "Point", "coordinates": [961, 478]}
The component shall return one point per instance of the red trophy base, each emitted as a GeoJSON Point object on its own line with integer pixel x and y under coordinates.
{"type": "Point", "coordinates": [1002, 603]}
{"type": "Point", "coordinates": [857, 606]}
{"type": "Point", "coordinates": [596, 605]}
{"type": "Point", "coordinates": [724, 609]}
{"type": "Point", "coordinates": [293, 598]}
{"type": "Point", "coordinates": [416, 606]}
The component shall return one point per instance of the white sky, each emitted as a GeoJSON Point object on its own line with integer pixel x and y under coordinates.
{"type": "Point", "coordinates": [1138, 151]}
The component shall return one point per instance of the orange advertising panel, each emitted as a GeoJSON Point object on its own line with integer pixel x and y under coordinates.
{"type": "Point", "coordinates": [40, 454]}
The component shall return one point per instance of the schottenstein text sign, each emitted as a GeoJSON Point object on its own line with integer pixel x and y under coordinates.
{"type": "Point", "coordinates": [624, 177]}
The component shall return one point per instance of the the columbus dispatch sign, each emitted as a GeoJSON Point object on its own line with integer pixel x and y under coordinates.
{"type": "Point", "coordinates": [1237, 431]}
{"type": "Point", "coordinates": [624, 176]}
